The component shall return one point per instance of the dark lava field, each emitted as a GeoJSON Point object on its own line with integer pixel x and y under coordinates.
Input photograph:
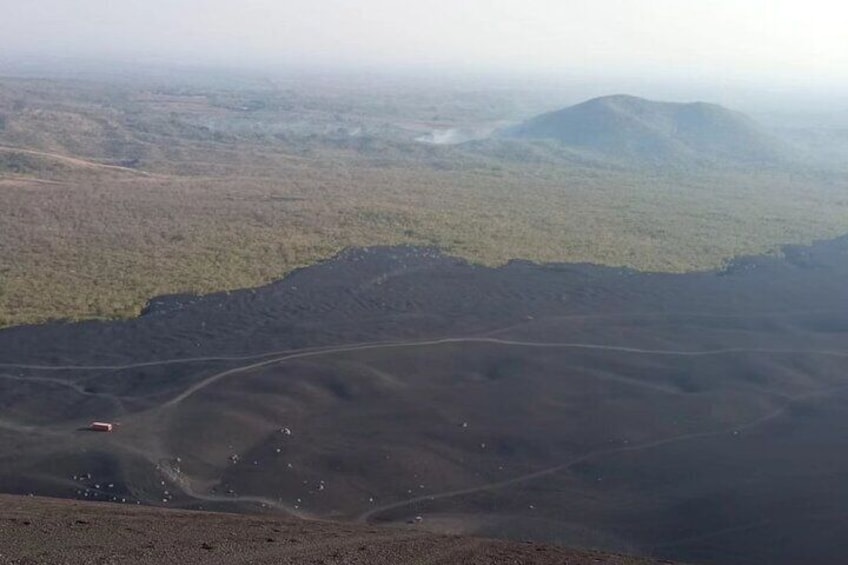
{"type": "Point", "coordinates": [698, 417]}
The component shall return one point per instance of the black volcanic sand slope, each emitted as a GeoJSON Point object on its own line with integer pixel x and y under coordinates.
{"type": "Point", "coordinates": [699, 417]}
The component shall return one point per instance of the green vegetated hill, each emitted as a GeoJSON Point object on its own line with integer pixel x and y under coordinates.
{"type": "Point", "coordinates": [630, 128]}
{"type": "Point", "coordinates": [113, 193]}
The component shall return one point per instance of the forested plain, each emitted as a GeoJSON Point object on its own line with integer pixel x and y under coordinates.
{"type": "Point", "coordinates": [112, 193]}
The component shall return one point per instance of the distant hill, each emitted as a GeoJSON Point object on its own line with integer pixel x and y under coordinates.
{"type": "Point", "coordinates": [632, 128]}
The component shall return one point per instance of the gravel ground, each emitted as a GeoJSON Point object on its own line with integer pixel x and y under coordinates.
{"type": "Point", "coordinates": [40, 530]}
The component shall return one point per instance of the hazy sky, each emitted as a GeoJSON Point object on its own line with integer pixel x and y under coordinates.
{"type": "Point", "coordinates": [792, 40]}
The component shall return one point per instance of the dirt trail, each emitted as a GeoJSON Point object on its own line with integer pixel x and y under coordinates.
{"type": "Point", "coordinates": [76, 161]}
{"type": "Point", "coordinates": [483, 340]}
{"type": "Point", "coordinates": [316, 351]}
{"type": "Point", "coordinates": [730, 432]}
{"type": "Point", "coordinates": [60, 382]}
{"type": "Point", "coordinates": [149, 447]}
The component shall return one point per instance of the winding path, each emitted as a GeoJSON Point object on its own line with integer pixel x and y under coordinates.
{"type": "Point", "coordinates": [372, 513]}
{"type": "Point", "coordinates": [313, 351]}
{"type": "Point", "coordinates": [483, 340]}
{"type": "Point", "coordinates": [271, 358]}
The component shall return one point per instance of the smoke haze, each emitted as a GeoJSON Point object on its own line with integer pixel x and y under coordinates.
{"type": "Point", "coordinates": [788, 41]}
